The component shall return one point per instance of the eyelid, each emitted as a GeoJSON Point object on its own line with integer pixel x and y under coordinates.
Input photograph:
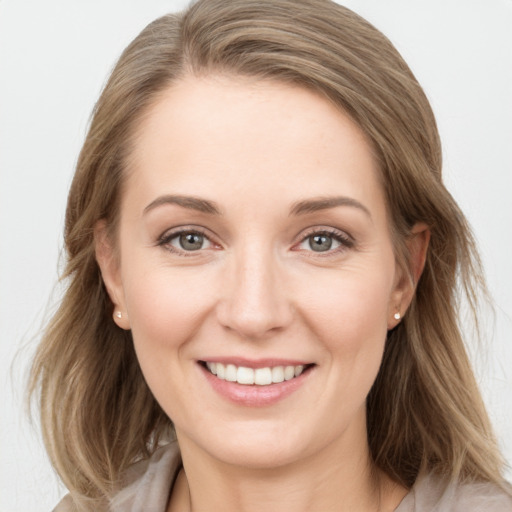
{"type": "Point", "coordinates": [346, 241]}
{"type": "Point", "coordinates": [165, 238]}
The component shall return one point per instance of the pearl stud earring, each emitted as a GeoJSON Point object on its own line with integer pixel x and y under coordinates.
{"type": "Point", "coordinates": [397, 316]}
{"type": "Point", "coordinates": [119, 314]}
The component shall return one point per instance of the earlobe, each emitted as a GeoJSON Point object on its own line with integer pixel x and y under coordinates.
{"type": "Point", "coordinates": [417, 246]}
{"type": "Point", "coordinates": [110, 272]}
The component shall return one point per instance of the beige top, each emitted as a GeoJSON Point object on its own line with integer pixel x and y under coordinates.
{"type": "Point", "coordinates": [147, 490]}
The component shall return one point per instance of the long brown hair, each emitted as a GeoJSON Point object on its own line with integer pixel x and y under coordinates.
{"type": "Point", "coordinates": [424, 411]}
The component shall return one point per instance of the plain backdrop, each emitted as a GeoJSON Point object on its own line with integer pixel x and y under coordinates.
{"type": "Point", "coordinates": [54, 58]}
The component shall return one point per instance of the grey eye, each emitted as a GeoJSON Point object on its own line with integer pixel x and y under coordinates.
{"type": "Point", "coordinates": [320, 243]}
{"type": "Point", "coordinates": [189, 241]}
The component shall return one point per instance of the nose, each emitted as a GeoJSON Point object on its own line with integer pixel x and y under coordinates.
{"type": "Point", "coordinates": [253, 302]}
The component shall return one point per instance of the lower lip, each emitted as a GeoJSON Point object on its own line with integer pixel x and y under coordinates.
{"type": "Point", "coordinates": [254, 395]}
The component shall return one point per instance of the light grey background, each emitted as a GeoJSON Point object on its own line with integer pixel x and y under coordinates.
{"type": "Point", "coordinates": [54, 58]}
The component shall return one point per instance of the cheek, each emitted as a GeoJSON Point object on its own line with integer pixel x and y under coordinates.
{"type": "Point", "coordinates": [164, 316]}
{"type": "Point", "coordinates": [350, 320]}
{"type": "Point", "coordinates": [164, 312]}
{"type": "Point", "coordinates": [349, 310]}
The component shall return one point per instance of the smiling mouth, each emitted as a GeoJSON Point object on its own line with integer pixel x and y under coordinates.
{"type": "Point", "coordinates": [255, 376]}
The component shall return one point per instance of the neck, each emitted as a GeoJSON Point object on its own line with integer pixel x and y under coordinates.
{"type": "Point", "coordinates": [337, 479]}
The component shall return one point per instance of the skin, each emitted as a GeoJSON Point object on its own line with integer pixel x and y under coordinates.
{"type": "Point", "coordinates": [257, 289]}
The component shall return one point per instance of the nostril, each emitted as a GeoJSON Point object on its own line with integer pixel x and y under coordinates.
{"type": "Point", "coordinates": [254, 322]}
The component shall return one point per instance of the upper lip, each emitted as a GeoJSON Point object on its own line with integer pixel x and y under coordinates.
{"type": "Point", "coordinates": [256, 363]}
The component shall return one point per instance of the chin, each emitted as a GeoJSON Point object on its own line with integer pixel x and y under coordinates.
{"type": "Point", "coordinates": [264, 455]}
{"type": "Point", "coordinates": [254, 445]}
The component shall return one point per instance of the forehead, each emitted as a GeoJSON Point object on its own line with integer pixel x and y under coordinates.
{"type": "Point", "coordinates": [231, 136]}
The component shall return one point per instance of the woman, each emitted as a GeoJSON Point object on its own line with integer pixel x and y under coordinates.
{"type": "Point", "coordinates": [263, 262]}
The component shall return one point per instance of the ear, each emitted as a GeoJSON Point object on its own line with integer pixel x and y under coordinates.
{"type": "Point", "coordinates": [108, 261]}
{"type": "Point", "coordinates": [407, 279]}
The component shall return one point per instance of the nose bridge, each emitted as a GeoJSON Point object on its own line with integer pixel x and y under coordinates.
{"type": "Point", "coordinates": [254, 303]}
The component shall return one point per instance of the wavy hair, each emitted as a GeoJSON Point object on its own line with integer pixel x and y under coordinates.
{"type": "Point", "coordinates": [424, 411]}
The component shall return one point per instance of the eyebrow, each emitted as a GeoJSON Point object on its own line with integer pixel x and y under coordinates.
{"type": "Point", "coordinates": [324, 203]}
{"type": "Point", "coordinates": [299, 208]}
{"type": "Point", "coordinates": [189, 202]}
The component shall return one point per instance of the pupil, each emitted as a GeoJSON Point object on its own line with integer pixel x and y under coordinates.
{"type": "Point", "coordinates": [320, 243]}
{"type": "Point", "coordinates": [191, 241]}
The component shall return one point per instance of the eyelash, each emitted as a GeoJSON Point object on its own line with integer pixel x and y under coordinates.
{"type": "Point", "coordinates": [166, 239]}
{"type": "Point", "coordinates": [345, 241]}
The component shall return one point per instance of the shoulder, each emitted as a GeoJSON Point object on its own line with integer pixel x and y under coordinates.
{"type": "Point", "coordinates": [146, 484]}
{"type": "Point", "coordinates": [433, 493]}
{"type": "Point", "coordinates": [65, 505]}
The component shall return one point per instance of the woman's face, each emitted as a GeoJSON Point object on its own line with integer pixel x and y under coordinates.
{"type": "Point", "coordinates": [254, 240]}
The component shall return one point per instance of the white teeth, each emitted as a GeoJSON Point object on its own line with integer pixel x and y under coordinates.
{"type": "Point", "coordinates": [231, 373]}
{"type": "Point", "coordinates": [289, 372]}
{"type": "Point", "coordinates": [277, 374]}
{"type": "Point", "coordinates": [258, 376]}
{"type": "Point", "coordinates": [245, 375]}
{"type": "Point", "coordinates": [221, 371]}
{"type": "Point", "coordinates": [263, 376]}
